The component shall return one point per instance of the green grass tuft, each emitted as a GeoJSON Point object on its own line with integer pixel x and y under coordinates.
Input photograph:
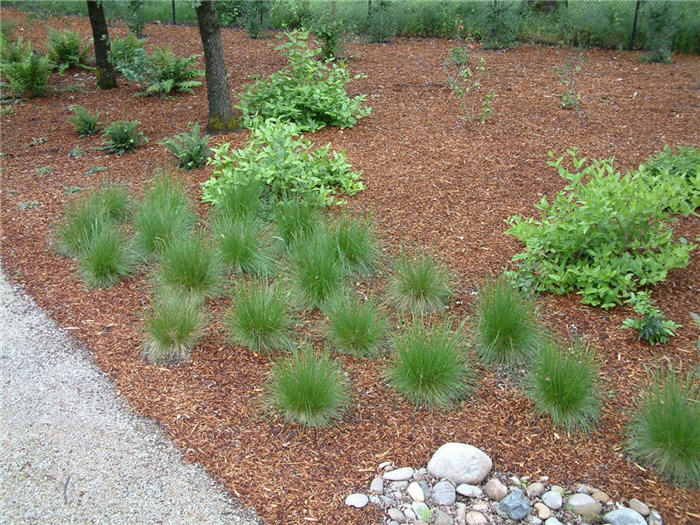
{"type": "Point", "coordinates": [240, 243]}
{"type": "Point", "coordinates": [318, 274]}
{"type": "Point", "coordinates": [241, 200]}
{"type": "Point", "coordinates": [296, 219]}
{"type": "Point", "coordinates": [562, 384]}
{"type": "Point", "coordinates": [356, 244]}
{"type": "Point", "coordinates": [356, 326]}
{"type": "Point", "coordinates": [506, 329]}
{"type": "Point", "coordinates": [173, 326]}
{"type": "Point", "coordinates": [664, 432]}
{"type": "Point", "coordinates": [419, 284]}
{"type": "Point", "coordinates": [105, 258]}
{"type": "Point", "coordinates": [430, 367]}
{"type": "Point", "coordinates": [309, 389]}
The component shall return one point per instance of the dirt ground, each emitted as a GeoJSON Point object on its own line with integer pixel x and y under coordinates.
{"type": "Point", "coordinates": [431, 181]}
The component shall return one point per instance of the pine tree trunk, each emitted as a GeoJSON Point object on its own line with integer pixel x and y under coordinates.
{"type": "Point", "coordinates": [221, 117]}
{"type": "Point", "coordinates": [106, 76]}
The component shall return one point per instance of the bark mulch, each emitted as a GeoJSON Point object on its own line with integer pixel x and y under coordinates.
{"type": "Point", "coordinates": [431, 181]}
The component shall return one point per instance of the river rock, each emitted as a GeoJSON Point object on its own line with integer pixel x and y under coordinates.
{"type": "Point", "coordinates": [415, 491]}
{"type": "Point", "coordinates": [442, 518]}
{"type": "Point", "coordinates": [460, 463]}
{"type": "Point", "coordinates": [399, 474]}
{"type": "Point", "coordinates": [654, 518]}
{"type": "Point", "coordinates": [624, 516]}
{"type": "Point", "coordinates": [470, 491]}
{"type": "Point", "coordinates": [420, 509]}
{"type": "Point", "coordinates": [515, 505]}
{"type": "Point", "coordinates": [600, 497]}
{"type": "Point", "coordinates": [443, 493]}
{"type": "Point", "coordinates": [398, 485]}
{"type": "Point", "coordinates": [557, 488]}
{"type": "Point", "coordinates": [396, 515]}
{"type": "Point", "coordinates": [495, 490]}
{"type": "Point", "coordinates": [474, 517]}
{"type": "Point", "coordinates": [377, 486]}
{"type": "Point", "coordinates": [584, 505]}
{"type": "Point", "coordinates": [460, 514]}
{"type": "Point", "coordinates": [552, 499]}
{"type": "Point", "coordinates": [356, 500]}
{"type": "Point", "coordinates": [552, 521]}
{"type": "Point", "coordinates": [543, 511]}
{"type": "Point", "coordinates": [640, 507]}
{"type": "Point", "coordinates": [535, 490]}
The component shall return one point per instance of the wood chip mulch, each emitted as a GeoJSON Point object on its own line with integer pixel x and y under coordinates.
{"type": "Point", "coordinates": [431, 181]}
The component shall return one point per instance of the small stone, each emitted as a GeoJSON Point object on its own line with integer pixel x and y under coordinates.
{"type": "Point", "coordinates": [421, 510]}
{"type": "Point", "coordinates": [356, 500]}
{"type": "Point", "coordinates": [410, 515]}
{"type": "Point", "coordinates": [543, 511]}
{"type": "Point", "coordinates": [480, 505]}
{"type": "Point", "coordinates": [377, 486]}
{"type": "Point", "coordinates": [600, 497]}
{"type": "Point", "coordinates": [470, 491]}
{"type": "Point", "coordinates": [387, 501]}
{"type": "Point", "coordinates": [640, 507]}
{"type": "Point", "coordinates": [442, 518]}
{"type": "Point", "coordinates": [399, 474]}
{"type": "Point", "coordinates": [474, 517]}
{"type": "Point", "coordinates": [393, 522]}
{"type": "Point", "coordinates": [655, 518]}
{"type": "Point", "coordinates": [515, 505]}
{"type": "Point", "coordinates": [420, 473]}
{"type": "Point", "coordinates": [534, 520]}
{"type": "Point", "coordinates": [495, 490]}
{"type": "Point", "coordinates": [552, 499]}
{"type": "Point", "coordinates": [460, 514]}
{"type": "Point", "coordinates": [398, 485]}
{"type": "Point", "coordinates": [386, 465]}
{"type": "Point", "coordinates": [396, 515]}
{"type": "Point", "coordinates": [460, 463]}
{"type": "Point", "coordinates": [582, 488]}
{"type": "Point", "coordinates": [443, 493]}
{"type": "Point", "coordinates": [557, 488]}
{"type": "Point", "coordinates": [426, 489]}
{"type": "Point", "coordinates": [583, 505]}
{"type": "Point", "coordinates": [552, 521]}
{"type": "Point", "coordinates": [374, 500]}
{"type": "Point", "coordinates": [397, 495]}
{"type": "Point", "coordinates": [415, 491]}
{"type": "Point", "coordinates": [535, 489]}
{"type": "Point", "coordinates": [624, 516]}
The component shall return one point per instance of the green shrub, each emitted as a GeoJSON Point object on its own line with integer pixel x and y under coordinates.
{"type": "Point", "coordinates": [191, 267]}
{"type": "Point", "coordinates": [164, 214]}
{"type": "Point", "coordinates": [652, 327]}
{"type": "Point", "coordinates": [355, 326]}
{"type": "Point", "coordinates": [66, 49]}
{"type": "Point", "coordinates": [506, 331]}
{"type": "Point", "coordinates": [259, 318]}
{"type": "Point", "coordinates": [605, 235]}
{"type": "Point", "coordinates": [357, 246]}
{"type": "Point", "coordinates": [430, 367]}
{"type": "Point", "coordinates": [15, 51]}
{"type": "Point", "coordinates": [277, 156]}
{"type": "Point", "coordinates": [296, 219]}
{"type": "Point", "coordinates": [562, 384]}
{"type": "Point", "coordinates": [332, 33]}
{"type": "Point", "coordinates": [664, 432]}
{"type": "Point", "coordinates": [129, 58]}
{"type": "Point", "coordinates": [27, 77]}
{"type": "Point", "coordinates": [105, 258]}
{"type": "Point", "coordinates": [122, 136]}
{"type": "Point", "coordinates": [168, 73]}
{"type": "Point", "coordinates": [189, 148]}
{"type": "Point", "coordinates": [309, 389]}
{"type": "Point", "coordinates": [682, 164]}
{"type": "Point", "coordinates": [173, 326]}
{"type": "Point", "coordinates": [419, 283]}
{"type": "Point", "coordinates": [307, 92]}
{"type": "Point", "coordinates": [84, 122]}
{"type": "Point", "coordinates": [381, 24]}
{"type": "Point", "coordinates": [240, 244]}
{"type": "Point", "coordinates": [317, 273]}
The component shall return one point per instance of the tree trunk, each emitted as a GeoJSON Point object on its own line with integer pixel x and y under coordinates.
{"type": "Point", "coordinates": [221, 117]}
{"type": "Point", "coordinates": [106, 76]}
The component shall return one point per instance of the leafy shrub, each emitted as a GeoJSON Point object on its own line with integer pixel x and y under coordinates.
{"type": "Point", "coordinates": [168, 73]}
{"type": "Point", "coordinates": [122, 136]}
{"type": "Point", "coordinates": [501, 28]}
{"type": "Point", "coordinates": [296, 219]}
{"type": "Point", "coordinates": [430, 367]}
{"type": "Point", "coordinates": [66, 49]}
{"type": "Point", "coordinates": [664, 432]}
{"type": "Point", "coordinates": [356, 244]}
{"type": "Point", "coordinates": [682, 164]}
{"type": "Point", "coordinates": [605, 235]}
{"type": "Point", "coordinates": [380, 23]}
{"type": "Point", "coordinates": [189, 148]}
{"type": "Point", "coordinates": [27, 77]}
{"type": "Point", "coordinates": [84, 122]}
{"type": "Point", "coordinates": [419, 283]}
{"type": "Point", "coordinates": [652, 327]}
{"type": "Point", "coordinates": [356, 327]}
{"type": "Point", "coordinates": [105, 258]}
{"type": "Point", "coordinates": [173, 326]}
{"type": "Point", "coordinates": [567, 77]}
{"type": "Point", "coordinates": [307, 92]}
{"type": "Point", "coordinates": [317, 273]}
{"type": "Point", "coordinates": [285, 162]}
{"type": "Point", "coordinates": [309, 389]}
{"type": "Point", "coordinates": [562, 384]}
{"type": "Point", "coordinates": [15, 51]}
{"type": "Point", "coordinates": [191, 267]}
{"type": "Point", "coordinates": [465, 78]}
{"type": "Point", "coordinates": [259, 318]}
{"type": "Point", "coordinates": [239, 242]}
{"type": "Point", "coordinates": [164, 214]}
{"type": "Point", "coordinates": [128, 56]}
{"type": "Point", "coordinates": [506, 331]}
{"type": "Point", "coordinates": [332, 33]}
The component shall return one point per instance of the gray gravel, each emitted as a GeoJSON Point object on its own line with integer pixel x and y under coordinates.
{"type": "Point", "coordinates": [71, 451]}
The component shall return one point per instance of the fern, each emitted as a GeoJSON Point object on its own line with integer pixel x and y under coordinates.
{"type": "Point", "coordinates": [66, 50]}
{"type": "Point", "coordinates": [28, 77]}
{"type": "Point", "coordinates": [189, 148]}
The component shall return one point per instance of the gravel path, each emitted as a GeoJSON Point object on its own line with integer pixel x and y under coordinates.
{"type": "Point", "coordinates": [71, 451]}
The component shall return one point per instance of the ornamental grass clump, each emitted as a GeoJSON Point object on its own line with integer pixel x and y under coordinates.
{"type": "Point", "coordinates": [241, 200]}
{"type": "Point", "coordinates": [296, 219]}
{"type": "Point", "coordinates": [664, 431]}
{"type": "Point", "coordinates": [318, 274]}
{"type": "Point", "coordinates": [506, 330]}
{"type": "Point", "coordinates": [356, 327]}
{"type": "Point", "coordinates": [419, 284]}
{"type": "Point", "coordinates": [358, 249]}
{"type": "Point", "coordinates": [191, 266]}
{"type": "Point", "coordinates": [240, 242]}
{"type": "Point", "coordinates": [562, 384]}
{"type": "Point", "coordinates": [105, 257]}
{"type": "Point", "coordinates": [84, 122]}
{"type": "Point", "coordinates": [430, 367]}
{"type": "Point", "coordinates": [173, 327]}
{"type": "Point", "coordinates": [308, 388]}
{"type": "Point", "coordinates": [259, 318]}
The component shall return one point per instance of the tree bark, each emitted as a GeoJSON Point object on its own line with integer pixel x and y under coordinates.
{"type": "Point", "coordinates": [106, 76]}
{"type": "Point", "coordinates": [221, 117]}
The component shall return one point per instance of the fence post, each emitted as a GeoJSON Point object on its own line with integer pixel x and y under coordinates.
{"type": "Point", "coordinates": [634, 24]}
